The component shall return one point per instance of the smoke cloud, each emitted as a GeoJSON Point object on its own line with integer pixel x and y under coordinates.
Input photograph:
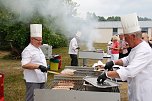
{"type": "Point", "coordinates": [58, 10]}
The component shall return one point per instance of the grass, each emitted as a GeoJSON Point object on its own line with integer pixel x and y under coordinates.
{"type": "Point", "coordinates": [14, 87]}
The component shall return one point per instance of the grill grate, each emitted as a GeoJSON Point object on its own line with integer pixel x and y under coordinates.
{"type": "Point", "coordinates": [77, 82]}
{"type": "Point", "coordinates": [67, 84]}
{"type": "Point", "coordinates": [84, 71]}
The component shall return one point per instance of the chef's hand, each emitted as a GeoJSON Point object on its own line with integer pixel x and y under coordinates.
{"type": "Point", "coordinates": [109, 65]}
{"type": "Point", "coordinates": [102, 77]}
{"type": "Point", "coordinates": [42, 68]}
{"type": "Point", "coordinates": [78, 48]}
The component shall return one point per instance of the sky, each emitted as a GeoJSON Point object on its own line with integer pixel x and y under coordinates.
{"type": "Point", "coordinates": [115, 7]}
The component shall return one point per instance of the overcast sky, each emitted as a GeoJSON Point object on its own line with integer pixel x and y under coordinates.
{"type": "Point", "coordinates": [115, 7]}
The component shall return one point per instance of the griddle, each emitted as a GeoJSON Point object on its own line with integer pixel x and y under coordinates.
{"type": "Point", "coordinates": [107, 83]}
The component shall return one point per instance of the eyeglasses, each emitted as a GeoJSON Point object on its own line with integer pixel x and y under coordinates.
{"type": "Point", "coordinates": [37, 39]}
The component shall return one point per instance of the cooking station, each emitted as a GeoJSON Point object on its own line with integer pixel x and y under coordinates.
{"type": "Point", "coordinates": [92, 55]}
{"type": "Point", "coordinates": [81, 86]}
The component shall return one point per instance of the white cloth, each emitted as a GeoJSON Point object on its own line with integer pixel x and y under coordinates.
{"type": "Point", "coordinates": [138, 72]}
{"type": "Point", "coordinates": [33, 55]}
{"type": "Point", "coordinates": [109, 47]}
{"type": "Point", "coordinates": [72, 46]}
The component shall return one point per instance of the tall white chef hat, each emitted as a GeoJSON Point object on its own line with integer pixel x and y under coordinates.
{"type": "Point", "coordinates": [130, 23]}
{"type": "Point", "coordinates": [78, 34]}
{"type": "Point", "coordinates": [36, 30]}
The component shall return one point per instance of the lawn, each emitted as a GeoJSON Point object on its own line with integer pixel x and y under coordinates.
{"type": "Point", "coordinates": [14, 88]}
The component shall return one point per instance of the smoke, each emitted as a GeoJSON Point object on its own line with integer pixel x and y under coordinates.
{"type": "Point", "coordinates": [56, 9]}
{"type": "Point", "coordinates": [90, 34]}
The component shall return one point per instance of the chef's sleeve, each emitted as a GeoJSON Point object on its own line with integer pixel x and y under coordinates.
{"type": "Point", "coordinates": [26, 57]}
{"type": "Point", "coordinates": [135, 65]}
{"type": "Point", "coordinates": [74, 45]}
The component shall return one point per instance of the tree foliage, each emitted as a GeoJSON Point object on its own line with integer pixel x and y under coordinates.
{"type": "Point", "coordinates": [113, 18]}
{"type": "Point", "coordinates": [101, 18]}
{"type": "Point", "coordinates": [117, 18]}
{"type": "Point", "coordinates": [19, 31]}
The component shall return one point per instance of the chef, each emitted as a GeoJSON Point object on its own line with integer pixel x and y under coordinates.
{"type": "Point", "coordinates": [137, 66]}
{"type": "Point", "coordinates": [34, 63]}
{"type": "Point", "coordinates": [73, 49]}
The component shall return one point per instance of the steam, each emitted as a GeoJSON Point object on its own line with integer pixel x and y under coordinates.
{"type": "Point", "coordinates": [90, 34]}
{"type": "Point", "coordinates": [58, 10]}
{"type": "Point", "coordinates": [55, 9]}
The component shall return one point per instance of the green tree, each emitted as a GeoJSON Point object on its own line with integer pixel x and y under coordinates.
{"type": "Point", "coordinates": [117, 18]}
{"type": "Point", "coordinates": [111, 18]}
{"type": "Point", "coordinates": [101, 18]}
{"type": "Point", "coordinates": [16, 30]}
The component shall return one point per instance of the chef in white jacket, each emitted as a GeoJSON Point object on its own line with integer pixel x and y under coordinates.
{"type": "Point", "coordinates": [137, 66]}
{"type": "Point", "coordinates": [34, 63]}
{"type": "Point", "coordinates": [73, 49]}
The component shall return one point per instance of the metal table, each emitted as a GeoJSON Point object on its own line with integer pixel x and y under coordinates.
{"type": "Point", "coordinates": [91, 55]}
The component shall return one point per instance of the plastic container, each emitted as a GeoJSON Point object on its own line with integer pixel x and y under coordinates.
{"type": "Point", "coordinates": [60, 62]}
{"type": "Point", "coordinates": [54, 64]}
{"type": "Point", "coordinates": [1, 87]}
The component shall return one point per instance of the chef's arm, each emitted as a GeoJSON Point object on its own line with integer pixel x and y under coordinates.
{"type": "Point", "coordinates": [118, 62]}
{"type": "Point", "coordinates": [113, 74]}
{"type": "Point", "coordinates": [30, 66]}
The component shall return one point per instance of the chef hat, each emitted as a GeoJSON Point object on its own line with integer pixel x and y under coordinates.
{"type": "Point", "coordinates": [36, 30]}
{"type": "Point", "coordinates": [130, 23]}
{"type": "Point", "coordinates": [78, 34]}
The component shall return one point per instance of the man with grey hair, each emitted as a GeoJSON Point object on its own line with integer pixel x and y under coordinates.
{"type": "Point", "coordinates": [137, 66]}
{"type": "Point", "coordinates": [34, 63]}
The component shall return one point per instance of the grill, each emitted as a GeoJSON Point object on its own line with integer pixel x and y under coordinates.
{"type": "Point", "coordinates": [84, 71]}
{"type": "Point", "coordinates": [78, 88]}
{"type": "Point", "coordinates": [69, 83]}
{"type": "Point", "coordinates": [92, 55]}
{"type": "Point", "coordinates": [82, 84]}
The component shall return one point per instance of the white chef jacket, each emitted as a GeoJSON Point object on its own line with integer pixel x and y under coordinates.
{"type": "Point", "coordinates": [73, 45]}
{"type": "Point", "coordinates": [138, 72]}
{"type": "Point", "coordinates": [33, 55]}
